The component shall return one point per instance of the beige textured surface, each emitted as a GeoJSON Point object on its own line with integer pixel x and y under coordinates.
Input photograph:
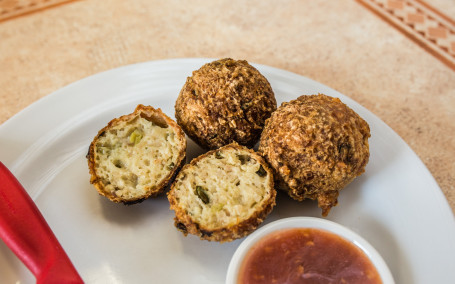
{"type": "Point", "coordinates": [338, 43]}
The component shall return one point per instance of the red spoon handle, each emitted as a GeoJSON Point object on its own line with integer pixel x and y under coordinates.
{"type": "Point", "coordinates": [26, 233]}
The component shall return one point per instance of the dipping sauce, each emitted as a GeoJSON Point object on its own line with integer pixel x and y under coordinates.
{"type": "Point", "coordinates": [306, 255]}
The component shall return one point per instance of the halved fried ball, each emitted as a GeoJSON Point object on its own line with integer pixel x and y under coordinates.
{"type": "Point", "coordinates": [136, 155]}
{"type": "Point", "coordinates": [316, 146]}
{"type": "Point", "coordinates": [225, 101]}
{"type": "Point", "coordinates": [222, 195]}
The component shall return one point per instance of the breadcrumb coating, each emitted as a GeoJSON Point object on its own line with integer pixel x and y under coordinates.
{"type": "Point", "coordinates": [316, 145]}
{"type": "Point", "coordinates": [225, 101]}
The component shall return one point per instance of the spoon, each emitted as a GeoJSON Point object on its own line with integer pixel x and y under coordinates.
{"type": "Point", "coordinates": [27, 234]}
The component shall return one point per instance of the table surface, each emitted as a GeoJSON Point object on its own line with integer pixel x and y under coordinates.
{"type": "Point", "coordinates": [346, 45]}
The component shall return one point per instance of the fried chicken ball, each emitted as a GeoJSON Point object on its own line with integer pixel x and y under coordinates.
{"type": "Point", "coordinates": [316, 145]}
{"type": "Point", "coordinates": [225, 101]}
{"type": "Point", "coordinates": [222, 195]}
{"type": "Point", "coordinates": [136, 155]}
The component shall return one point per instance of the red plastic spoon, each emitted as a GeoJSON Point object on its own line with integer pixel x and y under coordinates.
{"type": "Point", "coordinates": [26, 233]}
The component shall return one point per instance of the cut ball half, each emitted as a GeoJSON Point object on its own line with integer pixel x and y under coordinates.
{"type": "Point", "coordinates": [136, 155]}
{"type": "Point", "coordinates": [223, 195]}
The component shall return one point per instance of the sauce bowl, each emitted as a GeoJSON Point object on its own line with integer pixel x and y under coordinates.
{"type": "Point", "coordinates": [307, 223]}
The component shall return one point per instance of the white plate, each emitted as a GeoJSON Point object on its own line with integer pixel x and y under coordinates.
{"type": "Point", "coordinates": [396, 205]}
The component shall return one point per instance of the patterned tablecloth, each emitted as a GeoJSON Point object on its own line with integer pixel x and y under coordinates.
{"type": "Point", "coordinates": [395, 57]}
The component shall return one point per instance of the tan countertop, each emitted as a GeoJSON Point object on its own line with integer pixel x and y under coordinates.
{"type": "Point", "coordinates": [341, 44]}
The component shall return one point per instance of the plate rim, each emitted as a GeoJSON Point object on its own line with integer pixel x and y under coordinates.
{"type": "Point", "coordinates": [4, 127]}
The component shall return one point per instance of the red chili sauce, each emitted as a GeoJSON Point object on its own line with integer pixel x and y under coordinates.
{"type": "Point", "coordinates": [304, 255]}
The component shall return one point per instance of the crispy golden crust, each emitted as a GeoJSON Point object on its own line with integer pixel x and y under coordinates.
{"type": "Point", "coordinates": [185, 223]}
{"type": "Point", "coordinates": [225, 101]}
{"type": "Point", "coordinates": [316, 146]}
{"type": "Point", "coordinates": [157, 117]}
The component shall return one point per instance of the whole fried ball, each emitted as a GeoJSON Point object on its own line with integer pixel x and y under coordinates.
{"type": "Point", "coordinates": [316, 145]}
{"type": "Point", "coordinates": [225, 101]}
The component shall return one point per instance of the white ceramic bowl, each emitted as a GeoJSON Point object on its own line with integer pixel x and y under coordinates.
{"type": "Point", "coordinates": [307, 222]}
